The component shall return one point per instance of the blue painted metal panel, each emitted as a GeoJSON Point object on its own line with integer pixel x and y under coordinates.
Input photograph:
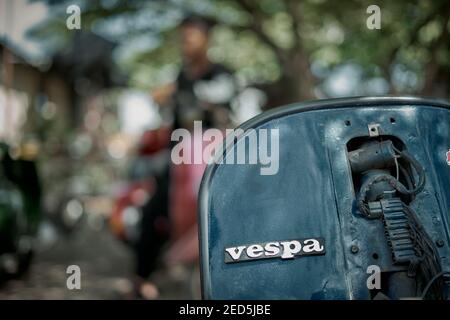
{"type": "Point", "coordinates": [312, 196]}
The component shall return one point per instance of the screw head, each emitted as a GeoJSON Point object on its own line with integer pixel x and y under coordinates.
{"type": "Point", "coordinates": [354, 248]}
{"type": "Point", "coordinates": [440, 242]}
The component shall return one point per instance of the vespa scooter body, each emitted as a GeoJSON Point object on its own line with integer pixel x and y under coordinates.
{"type": "Point", "coordinates": [298, 233]}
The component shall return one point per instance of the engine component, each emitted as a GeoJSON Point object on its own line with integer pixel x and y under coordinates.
{"type": "Point", "coordinates": [378, 197]}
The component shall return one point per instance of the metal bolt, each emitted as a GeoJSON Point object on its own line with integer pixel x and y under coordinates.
{"type": "Point", "coordinates": [354, 248]}
{"type": "Point", "coordinates": [440, 242]}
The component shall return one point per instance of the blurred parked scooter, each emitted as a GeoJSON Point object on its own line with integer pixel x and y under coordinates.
{"type": "Point", "coordinates": [140, 213]}
{"type": "Point", "coordinates": [149, 164]}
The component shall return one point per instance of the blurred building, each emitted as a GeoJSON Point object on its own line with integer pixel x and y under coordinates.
{"type": "Point", "coordinates": [28, 92]}
{"type": "Point", "coordinates": [63, 104]}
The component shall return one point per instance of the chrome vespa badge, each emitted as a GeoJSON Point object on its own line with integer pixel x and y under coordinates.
{"type": "Point", "coordinates": [288, 249]}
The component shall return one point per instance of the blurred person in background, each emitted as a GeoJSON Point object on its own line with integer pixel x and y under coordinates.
{"type": "Point", "coordinates": [203, 91]}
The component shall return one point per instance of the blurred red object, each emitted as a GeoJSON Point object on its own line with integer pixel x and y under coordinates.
{"type": "Point", "coordinates": [135, 195]}
{"type": "Point", "coordinates": [153, 141]}
{"type": "Point", "coordinates": [186, 179]}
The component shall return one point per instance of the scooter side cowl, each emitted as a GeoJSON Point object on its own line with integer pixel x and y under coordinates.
{"type": "Point", "coordinates": [300, 233]}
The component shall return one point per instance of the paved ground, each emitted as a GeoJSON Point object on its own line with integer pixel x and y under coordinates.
{"type": "Point", "coordinates": [106, 269]}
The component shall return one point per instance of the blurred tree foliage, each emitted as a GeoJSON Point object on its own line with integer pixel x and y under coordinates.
{"type": "Point", "coordinates": [287, 47]}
